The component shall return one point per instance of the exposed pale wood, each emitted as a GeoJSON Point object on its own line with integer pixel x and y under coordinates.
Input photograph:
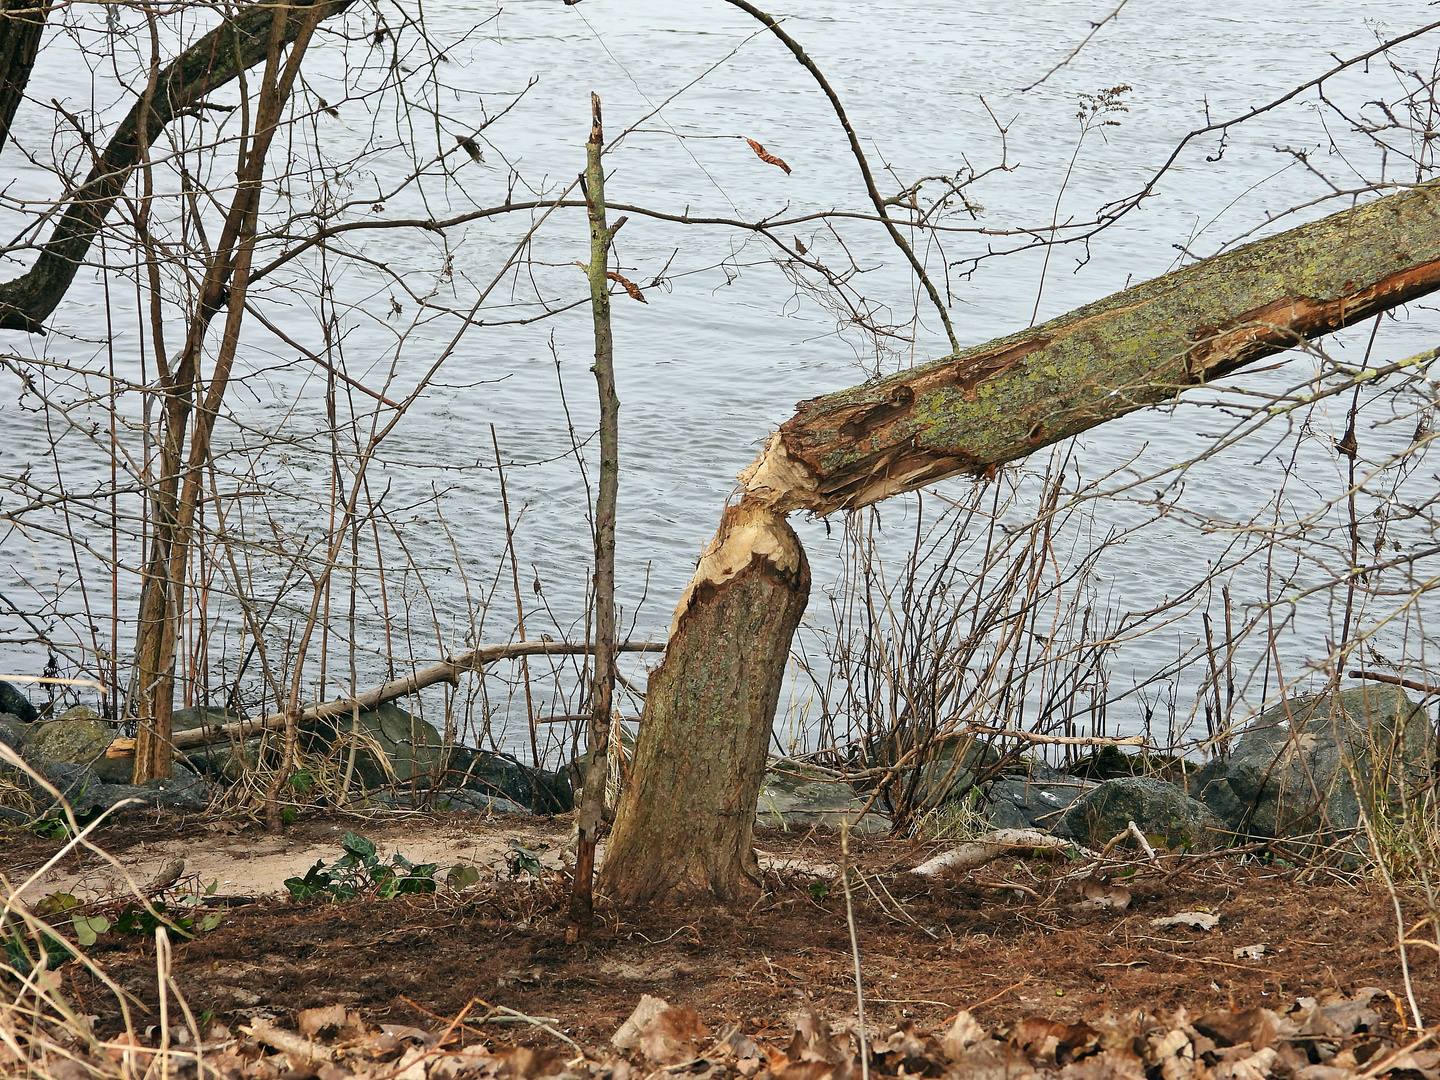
{"type": "Point", "coordinates": [995, 845]}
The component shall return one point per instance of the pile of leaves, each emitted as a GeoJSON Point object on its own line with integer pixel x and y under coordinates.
{"type": "Point", "coordinates": [1347, 1038]}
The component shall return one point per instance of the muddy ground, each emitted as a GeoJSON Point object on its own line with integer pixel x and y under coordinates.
{"type": "Point", "coordinates": [1014, 939]}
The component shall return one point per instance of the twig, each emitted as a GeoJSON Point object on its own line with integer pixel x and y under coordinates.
{"type": "Point", "coordinates": [1134, 830]}
{"type": "Point", "coordinates": [523, 1018]}
{"type": "Point", "coordinates": [1094, 29]}
{"type": "Point", "coordinates": [602, 685]}
{"type": "Point", "coordinates": [809, 65]}
{"type": "Point", "coordinates": [519, 607]}
{"type": "Point", "coordinates": [1393, 680]}
{"type": "Point", "coordinates": [854, 948]}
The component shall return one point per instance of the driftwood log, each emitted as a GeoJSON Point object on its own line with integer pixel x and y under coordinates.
{"type": "Point", "coordinates": [447, 671]}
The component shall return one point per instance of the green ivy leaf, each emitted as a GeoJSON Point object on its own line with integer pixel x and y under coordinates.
{"type": "Point", "coordinates": [356, 845]}
{"type": "Point", "coordinates": [89, 927]}
{"type": "Point", "coordinates": [462, 876]}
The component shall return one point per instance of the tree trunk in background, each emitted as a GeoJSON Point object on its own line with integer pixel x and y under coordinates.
{"type": "Point", "coordinates": [22, 25]}
{"type": "Point", "coordinates": [218, 58]}
{"type": "Point", "coordinates": [685, 820]}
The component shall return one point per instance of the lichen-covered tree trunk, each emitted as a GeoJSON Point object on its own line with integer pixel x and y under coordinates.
{"type": "Point", "coordinates": [686, 819]}
{"type": "Point", "coordinates": [967, 413]}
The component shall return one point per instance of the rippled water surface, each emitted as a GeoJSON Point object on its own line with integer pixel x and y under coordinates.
{"type": "Point", "coordinates": [727, 343]}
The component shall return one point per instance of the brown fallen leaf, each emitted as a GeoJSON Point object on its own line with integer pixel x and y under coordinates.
{"type": "Point", "coordinates": [1102, 897]}
{"type": "Point", "coordinates": [673, 1037]}
{"type": "Point", "coordinates": [313, 1022]}
{"type": "Point", "coordinates": [767, 157]}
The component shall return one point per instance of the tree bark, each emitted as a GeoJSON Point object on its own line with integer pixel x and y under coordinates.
{"type": "Point", "coordinates": [238, 44]}
{"type": "Point", "coordinates": [685, 821]}
{"type": "Point", "coordinates": [1003, 400]}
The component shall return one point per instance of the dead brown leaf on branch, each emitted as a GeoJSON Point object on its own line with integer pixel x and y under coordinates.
{"type": "Point", "coordinates": [767, 157]}
{"type": "Point", "coordinates": [629, 286]}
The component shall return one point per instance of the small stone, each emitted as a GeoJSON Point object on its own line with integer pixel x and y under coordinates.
{"type": "Point", "coordinates": [798, 796]}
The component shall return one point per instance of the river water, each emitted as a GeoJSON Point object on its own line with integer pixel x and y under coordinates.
{"type": "Point", "coordinates": [728, 341]}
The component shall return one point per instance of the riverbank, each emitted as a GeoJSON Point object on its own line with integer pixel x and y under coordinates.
{"type": "Point", "coordinates": [1017, 943]}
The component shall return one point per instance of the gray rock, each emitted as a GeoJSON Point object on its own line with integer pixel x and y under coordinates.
{"type": "Point", "coordinates": [949, 772]}
{"type": "Point", "coordinates": [490, 775]}
{"type": "Point", "coordinates": [12, 730]}
{"type": "Point", "coordinates": [791, 801]}
{"type": "Point", "coordinates": [15, 703]}
{"type": "Point", "coordinates": [195, 716]}
{"type": "Point", "coordinates": [1167, 816]}
{"type": "Point", "coordinates": [86, 792]}
{"type": "Point", "coordinates": [77, 737]}
{"type": "Point", "coordinates": [1034, 801]}
{"type": "Point", "coordinates": [409, 747]}
{"type": "Point", "coordinates": [1289, 775]}
{"type": "Point", "coordinates": [226, 760]}
{"type": "Point", "coordinates": [220, 760]}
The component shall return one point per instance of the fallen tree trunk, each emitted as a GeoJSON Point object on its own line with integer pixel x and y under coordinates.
{"type": "Point", "coordinates": [445, 671]}
{"type": "Point", "coordinates": [968, 413]}
{"type": "Point", "coordinates": [1004, 400]}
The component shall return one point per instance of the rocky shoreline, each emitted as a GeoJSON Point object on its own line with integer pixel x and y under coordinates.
{"type": "Point", "coordinates": [1308, 772]}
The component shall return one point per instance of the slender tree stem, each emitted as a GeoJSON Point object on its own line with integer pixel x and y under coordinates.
{"type": "Point", "coordinates": [582, 903]}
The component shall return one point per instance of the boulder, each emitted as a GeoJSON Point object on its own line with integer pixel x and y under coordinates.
{"type": "Point", "coordinates": [223, 760]}
{"type": "Point", "coordinates": [15, 703]}
{"type": "Point", "coordinates": [395, 746]}
{"type": "Point", "coordinates": [949, 772]}
{"type": "Point", "coordinates": [1033, 801]}
{"type": "Point", "coordinates": [86, 792]}
{"type": "Point", "coordinates": [798, 796]}
{"type": "Point", "coordinates": [12, 730]}
{"type": "Point", "coordinates": [1290, 773]}
{"type": "Point", "coordinates": [77, 737]}
{"type": "Point", "coordinates": [496, 776]}
{"type": "Point", "coordinates": [1167, 816]}
{"type": "Point", "coordinates": [1110, 763]}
